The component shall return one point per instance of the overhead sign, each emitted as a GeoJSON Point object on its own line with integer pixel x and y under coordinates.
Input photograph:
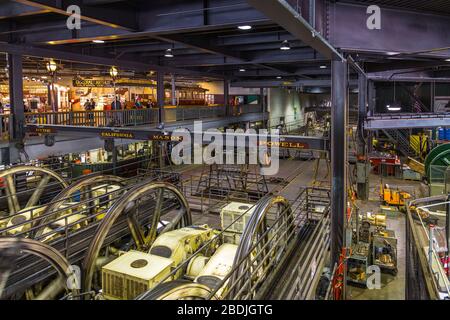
{"type": "Point", "coordinates": [91, 83]}
{"type": "Point", "coordinates": [164, 137]}
{"type": "Point", "coordinates": [104, 83]}
{"type": "Point", "coordinates": [117, 134]}
{"type": "Point", "coordinates": [284, 144]}
{"type": "Point", "coordinates": [43, 130]}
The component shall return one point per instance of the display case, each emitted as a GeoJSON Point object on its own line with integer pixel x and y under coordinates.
{"type": "Point", "coordinates": [384, 251]}
{"type": "Point", "coordinates": [357, 264]}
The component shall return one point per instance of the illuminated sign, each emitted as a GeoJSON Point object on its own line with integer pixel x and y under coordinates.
{"type": "Point", "coordinates": [284, 144]}
{"type": "Point", "coordinates": [114, 134]}
{"type": "Point", "coordinates": [92, 83]}
{"type": "Point", "coordinates": [104, 83]}
{"type": "Point", "coordinates": [164, 137]}
{"type": "Point", "coordinates": [44, 130]}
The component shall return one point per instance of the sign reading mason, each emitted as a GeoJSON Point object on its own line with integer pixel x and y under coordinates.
{"type": "Point", "coordinates": [117, 134]}
{"type": "Point", "coordinates": [165, 137]}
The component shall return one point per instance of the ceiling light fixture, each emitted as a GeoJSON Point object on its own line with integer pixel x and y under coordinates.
{"type": "Point", "coordinates": [394, 107]}
{"type": "Point", "coordinates": [98, 41]}
{"type": "Point", "coordinates": [279, 77]}
{"type": "Point", "coordinates": [168, 53]}
{"type": "Point", "coordinates": [448, 60]}
{"type": "Point", "coordinates": [285, 45]}
{"type": "Point", "coordinates": [241, 70]}
{"type": "Point", "coordinates": [323, 67]}
{"type": "Point", "coordinates": [245, 27]}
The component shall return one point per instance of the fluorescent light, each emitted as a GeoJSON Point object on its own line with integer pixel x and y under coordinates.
{"type": "Point", "coordinates": [323, 67]}
{"type": "Point", "coordinates": [279, 77]}
{"type": "Point", "coordinates": [241, 70]}
{"type": "Point", "coordinates": [244, 27]}
{"type": "Point", "coordinates": [394, 107]}
{"type": "Point", "coordinates": [392, 53]}
{"type": "Point", "coordinates": [448, 60]}
{"type": "Point", "coordinates": [168, 53]}
{"type": "Point", "coordinates": [98, 41]}
{"type": "Point", "coordinates": [285, 45]}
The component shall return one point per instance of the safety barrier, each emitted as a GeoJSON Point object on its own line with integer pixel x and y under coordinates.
{"type": "Point", "coordinates": [426, 278]}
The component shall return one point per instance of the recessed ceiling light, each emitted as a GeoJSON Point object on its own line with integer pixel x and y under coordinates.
{"type": "Point", "coordinates": [98, 41]}
{"type": "Point", "coordinates": [323, 67]}
{"type": "Point", "coordinates": [285, 45]}
{"type": "Point", "coordinates": [241, 70]}
{"type": "Point", "coordinates": [168, 53]}
{"type": "Point", "coordinates": [244, 27]}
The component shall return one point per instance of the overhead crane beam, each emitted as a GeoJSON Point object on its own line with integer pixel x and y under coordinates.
{"type": "Point", "coordinates": [282, 141]}
{"type": "Point", "coordinates": [407, 121]}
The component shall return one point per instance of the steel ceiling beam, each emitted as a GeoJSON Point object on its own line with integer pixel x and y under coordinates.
{"type": "Point", "coordinates": [105, 15]}
{"type": "Point", "coordinates": [97, 60]}
{"type": "Point", "coordinates": [406, 121]}
{"type": "Point", "coordinates": [274, 56]}
{"type": "Point", "coordinates": [401, 31]}
{"type": "Point", "coordinates": [267, 83]}
{"type": "Point", "coordinates": [12, 10]}
{"type": "Point", "coordinates": [281, 12]}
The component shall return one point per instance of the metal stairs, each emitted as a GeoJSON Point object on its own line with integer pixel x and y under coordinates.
{"type": "Point", "coordinates": [401, 139]}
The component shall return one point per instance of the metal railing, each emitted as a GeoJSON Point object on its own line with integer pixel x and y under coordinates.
{"type": "Point", "coordinates": [5, 127]}
{"type": "Point", "coordinates": [71, 227]}
{"type": "Point", "coordinates": [259, 264]}
{"type": "Point", "coordinates": [133, 117]}
{"type": "Point", "coordinates": [426, 278]}
{"type": "Point", "coordinates": [95, 118]}
{"type": "Point", "coordinates": [281, 237]}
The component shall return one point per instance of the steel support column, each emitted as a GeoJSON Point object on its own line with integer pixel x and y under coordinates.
{"type": "Point", "coordinates": [362, 161]}
{"type": "Point", "coordinates": [226, 91]}
{"type": "Point", "coordinates": [262, 100]}
{"type": "Point", "coordinates": [114, 157]}
{"type": "Point", "coordinates": [174, 92]}
{"type": "Point", "coordinates": [17, 127]}
{"type": "Point", "coordinates": [447, 225]}
{"type": "Point", "coordinates": [160, 95]}
{"type": "Point", "coordinates": [339, 88]}
{"type": "Point", "coordinates": [372, 101]}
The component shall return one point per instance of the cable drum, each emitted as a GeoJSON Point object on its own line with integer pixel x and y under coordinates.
{"type": "Point", "coordinates": [262, 245]}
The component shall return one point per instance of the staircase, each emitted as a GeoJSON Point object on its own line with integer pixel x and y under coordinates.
{"type": "Point", "coordinates": [401, 139]}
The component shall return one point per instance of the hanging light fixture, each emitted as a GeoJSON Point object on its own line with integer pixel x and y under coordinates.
{"type": "Point", "coordinates": [285, 45]}
{"type": "Point", "coordinates": [51, 66]}
{"type": "Point", "coordinates": [113, 72]}
{"type": "Point", "coordinates": [395, 105]}
{"type": "Point", "coordinates": [245, 27]}
{"type": "Point", "coordinates": [168, 53]}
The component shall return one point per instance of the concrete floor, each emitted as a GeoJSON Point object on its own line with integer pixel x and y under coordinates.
{"type": "Point", "coordinates": [300, 173]}
{"type": "Point", "coordinates": [392, 288]}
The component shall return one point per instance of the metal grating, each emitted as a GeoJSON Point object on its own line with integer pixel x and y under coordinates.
{"type": "Point", "coordinates": [433, 6]}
